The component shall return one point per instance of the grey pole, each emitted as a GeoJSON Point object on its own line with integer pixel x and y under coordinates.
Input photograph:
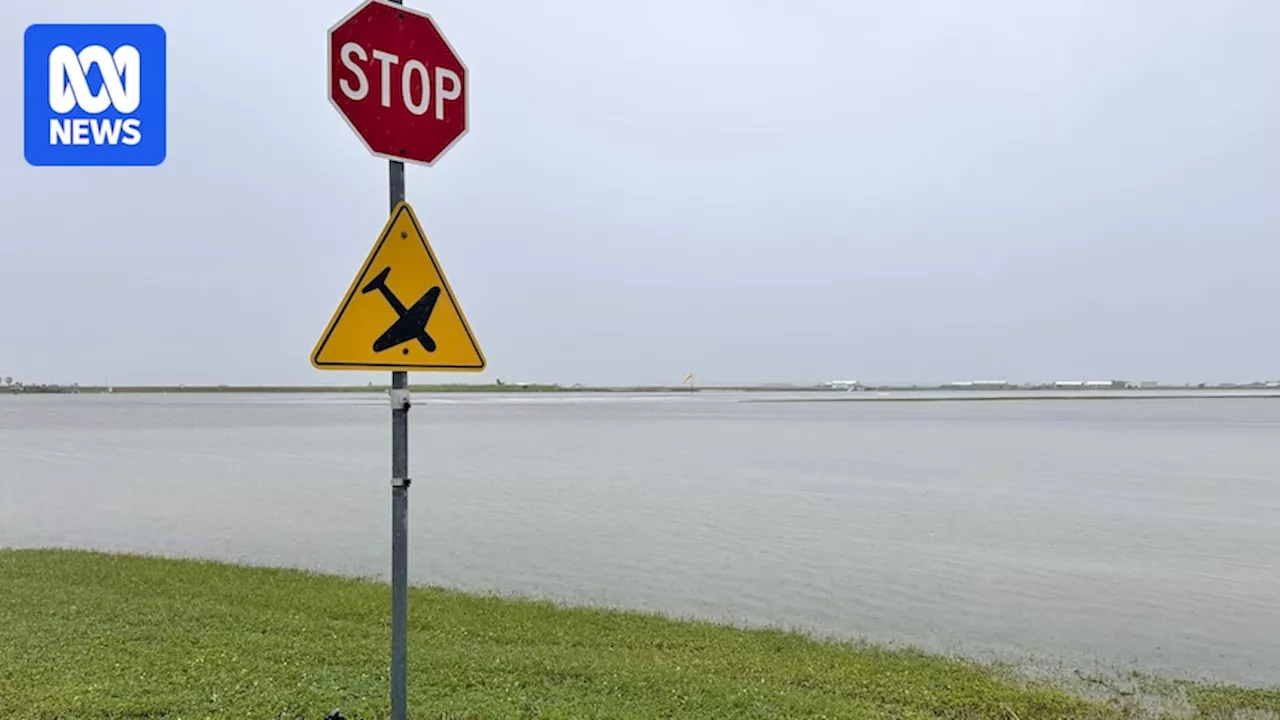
{"type": "Point", "coordinates": [399, 509]}
{"type": "Point", "coordinates": [399, 503]}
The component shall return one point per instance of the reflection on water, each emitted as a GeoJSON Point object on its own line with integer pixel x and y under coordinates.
{"type": "Point", "coordinates": [1126, 532]}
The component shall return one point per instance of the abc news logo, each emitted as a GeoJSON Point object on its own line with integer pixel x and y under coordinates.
{"type": "Point", "coordinates": [69, 89]}
{"type": "Point", "coordinates": [95, 94]}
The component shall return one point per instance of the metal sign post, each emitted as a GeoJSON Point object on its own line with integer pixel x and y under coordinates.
{"type": "Point", "coordinates": [399, 508]}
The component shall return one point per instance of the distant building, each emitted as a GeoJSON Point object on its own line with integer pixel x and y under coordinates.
{"type": "Point", "coordinates": [978, 385]}
{"type": "Point", "coordinates": [1090, 384]}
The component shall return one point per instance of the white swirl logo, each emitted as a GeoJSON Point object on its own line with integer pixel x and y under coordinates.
{"type": "Point", "coordinates": [68, 86]}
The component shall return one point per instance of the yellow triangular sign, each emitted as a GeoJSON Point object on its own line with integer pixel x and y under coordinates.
{"type": "Point", "coordinates": [399, 313]}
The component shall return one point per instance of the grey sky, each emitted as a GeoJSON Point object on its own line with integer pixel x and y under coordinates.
{"type": "Point", "coordinates": [750, 191]}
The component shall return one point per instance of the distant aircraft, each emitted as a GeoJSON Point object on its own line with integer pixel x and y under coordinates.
{"type": "Point", "coordinates": [412, 324]}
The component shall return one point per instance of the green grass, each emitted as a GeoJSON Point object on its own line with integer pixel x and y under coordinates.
{"type": "Point", "coordinates": [88, 635]}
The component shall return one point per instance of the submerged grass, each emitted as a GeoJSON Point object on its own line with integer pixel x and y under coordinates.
{"type": "Point", "coordinates": [91, 635]}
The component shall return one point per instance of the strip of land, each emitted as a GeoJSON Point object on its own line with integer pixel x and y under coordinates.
{"type": "Point", "coordinates": [90, 635]}
{"type": "Point", "coordinates": [792, 393]}
{"type": "Point", "coordinates": [1015, 397]}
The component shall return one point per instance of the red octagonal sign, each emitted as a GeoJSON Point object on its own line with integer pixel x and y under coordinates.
{"type": "Point", "coordinates": [397, 82]}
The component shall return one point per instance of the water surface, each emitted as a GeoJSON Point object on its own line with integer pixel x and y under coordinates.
{"type": "Point", "coordinates": [1130, 533]}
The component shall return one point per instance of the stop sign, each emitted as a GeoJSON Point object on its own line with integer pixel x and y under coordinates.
{"type": "Point", "coordinates": [397, 82]}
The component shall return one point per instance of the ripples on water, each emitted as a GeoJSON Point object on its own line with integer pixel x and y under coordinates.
{"type": "Point", "coordinates": [1136, 533]}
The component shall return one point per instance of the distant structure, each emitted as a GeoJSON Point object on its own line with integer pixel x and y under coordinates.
{"type": "Point", "coordinates": [843, 385]}
{"type": "Point", "coordinates": [1091, 384]}
{"type": "Point", "coordinates": [978, 385]}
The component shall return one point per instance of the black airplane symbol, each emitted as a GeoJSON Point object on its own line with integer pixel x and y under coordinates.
{"type": "Point", "coordinates": [412, 324]}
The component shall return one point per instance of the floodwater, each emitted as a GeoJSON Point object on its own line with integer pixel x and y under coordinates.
{"type": "Point", "coordinates": [1139, 534]}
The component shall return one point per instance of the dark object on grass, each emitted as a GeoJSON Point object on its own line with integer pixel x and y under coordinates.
{"type": "Point", "coordinates": [335, 714]}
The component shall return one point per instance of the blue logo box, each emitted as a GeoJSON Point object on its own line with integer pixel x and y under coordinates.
{"type": "Point", "coordinates": [94, 95]}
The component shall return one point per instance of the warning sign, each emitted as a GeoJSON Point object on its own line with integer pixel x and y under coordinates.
{"type": "Point", "coordinates": [399, 313]}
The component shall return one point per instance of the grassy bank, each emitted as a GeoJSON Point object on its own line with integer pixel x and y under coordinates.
{"type": "Point", "coordinates": [85, 635]}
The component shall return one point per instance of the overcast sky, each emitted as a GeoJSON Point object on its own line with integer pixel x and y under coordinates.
{"type": "Point", "coordinates": [751, 191]}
